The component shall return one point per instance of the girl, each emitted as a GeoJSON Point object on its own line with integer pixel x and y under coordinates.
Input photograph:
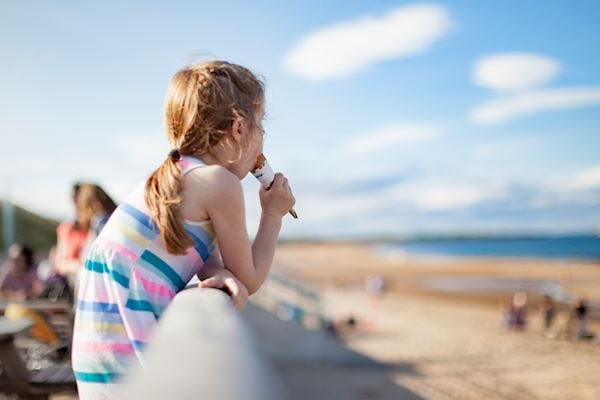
{"type": "Point", "coordinates": [93, 206]}
{"type": "Point", "coordinates": [166, 230]}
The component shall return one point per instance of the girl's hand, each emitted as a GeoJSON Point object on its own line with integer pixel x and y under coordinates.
{"type": "Point", "coordinates": [278, 199]}
{"type": "Point", "coordinates": [226, 281]}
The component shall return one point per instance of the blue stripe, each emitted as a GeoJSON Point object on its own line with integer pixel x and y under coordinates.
{"type": "Point", "coordinates": [102, 268]}
{"type": "Point", "coordinates": [139, 216]}
{"type": "Point", "coordinates": [129, 220]}
{"type": "Point", "coordinates": [201, 233]}
{"type": "Point", "coordinates": [97, 306]}
{"type": "Point", "coordinates": [200, 246]}
{"type": "Point", "coordinates": [96, 377]}
{"type": "Point", "coordinates": [137, 345]}
{"type": "Point", "coordinates": [140, 305]}
{"type": "Point", "coordinates": [163, 268]}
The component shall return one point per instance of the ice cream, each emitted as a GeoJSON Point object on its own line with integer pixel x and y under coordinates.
{"type": "Point", "coordinates": [265, 175]}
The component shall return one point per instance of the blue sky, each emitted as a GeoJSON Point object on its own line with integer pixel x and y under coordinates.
{"type": "Point", "coordinates": [387, 117]}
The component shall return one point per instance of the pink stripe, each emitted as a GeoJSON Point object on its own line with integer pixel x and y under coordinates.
{"type": "Point", "coordinates": [153, 287]}
{"type": "Point", "coordinates": [102, 347]}
{"type": "Point", "coordinates": [138, 332]}
{"type": "Point", "coordinates": [185, 164]}
{"type": "Point", "coordinates": [121, 250]}
{"type": "Point", "coordinates": [98, 293]}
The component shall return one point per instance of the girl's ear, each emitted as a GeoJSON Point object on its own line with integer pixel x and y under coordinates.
{"type": "Point", "coordinates": [237, 129]}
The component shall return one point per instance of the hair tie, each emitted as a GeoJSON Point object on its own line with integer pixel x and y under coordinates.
{"type": "Point", "coordinates": [175, 155]}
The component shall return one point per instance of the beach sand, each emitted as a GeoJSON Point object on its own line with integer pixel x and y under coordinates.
{"type": "Point", "coordinates": [440, 344]}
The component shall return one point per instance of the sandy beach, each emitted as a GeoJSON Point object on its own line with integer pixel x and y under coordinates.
{"type": "Point", "coordinates": [441, 342]}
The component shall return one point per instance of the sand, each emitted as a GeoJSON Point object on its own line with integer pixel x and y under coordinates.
{"type": "Point", "coordinates": [447, 345]}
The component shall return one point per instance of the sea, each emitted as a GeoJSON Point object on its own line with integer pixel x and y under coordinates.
{"type": "Point", "coordinates": [576, 247]}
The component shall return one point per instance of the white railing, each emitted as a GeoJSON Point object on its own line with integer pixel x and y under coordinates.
{"type": "Point", "coordinates": [203, 349]}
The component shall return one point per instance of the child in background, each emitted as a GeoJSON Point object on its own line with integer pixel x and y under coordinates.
{"type": "Point", "coordinates": [20, 283]}
{"type": "Point", "coordinates": [19, 280]}
{"type": "Point", "coordinates": [93, 200]}
{"type": "Point", "coordinates": [71, 237]}
{"type": "Point", "coordinates": [93, 207]}
{"type": "Point", "coordinates": [166, 230]}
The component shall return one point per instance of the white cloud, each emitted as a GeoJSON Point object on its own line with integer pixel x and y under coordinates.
{"type": "Point", "coordinates": [515, 71]}
{"type": "Point", "coordinates": [390, 137]}
{"type": "Point", "coordinates": [348, 47]}
{"type": "Point", "coordinates": [454, 196]}
{"type": "Point", "coordinates": [523, 104]}
{"type": "Point", "coordinates": [417, 196]}
{"type": "Point", "coordinates": [587, 179]}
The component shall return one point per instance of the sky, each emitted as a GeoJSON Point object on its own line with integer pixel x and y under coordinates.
{"type": "Point", "coordinates": [387, 117]}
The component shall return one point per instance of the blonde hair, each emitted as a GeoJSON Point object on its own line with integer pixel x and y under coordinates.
{"type": "Point", "coordinates": [202, 102]}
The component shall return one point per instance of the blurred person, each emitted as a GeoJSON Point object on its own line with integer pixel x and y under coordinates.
{"type": "Point", "coordinates": [580, 312]}
{"type": "Point", "coordinates": [548, 311]}
{"type": "Point", "coordinates": [72, 236]}
{"type": "Point", "coordinates": [93, 207]}
{"type": "Point", "coordinates": [165, 231]}
{"type": "Point", "coordinates": [517, 312]}
{"type": "Point", "coordinates": [375, 285]}
{"type": "Point", "coordinates": [21, 283]}
{"type": "Point", "coordinates": [56, 285]}
{"type": "Point", "coordinates": [19, 280]}
{"type": "Point", "coordinates": [96, 203]}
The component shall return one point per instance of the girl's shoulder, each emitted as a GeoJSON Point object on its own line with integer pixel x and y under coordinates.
{"type": "Point", "coordinates": [212, 178]}
{"type": "Point", "coordinates": [207, 189]}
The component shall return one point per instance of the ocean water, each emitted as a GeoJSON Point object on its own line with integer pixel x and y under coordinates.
{"type": "Point", "coordinates": [567, 247]}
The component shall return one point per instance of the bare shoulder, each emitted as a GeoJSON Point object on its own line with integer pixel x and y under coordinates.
{"type": "Point", "coordinates": [207, 188]}
{"type": "Point", "coordinates": [215, 178]}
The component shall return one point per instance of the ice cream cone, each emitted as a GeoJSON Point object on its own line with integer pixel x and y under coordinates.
{"type": "Point", "coordinates": [265, 175]}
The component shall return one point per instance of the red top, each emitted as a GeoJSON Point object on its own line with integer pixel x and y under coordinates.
{"type": "Point", "coordinates": [72, 238]}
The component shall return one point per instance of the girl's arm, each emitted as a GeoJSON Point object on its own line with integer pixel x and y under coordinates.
{"type": "Point", "coordinates": [214, 275]}
{"type": "Point", "coordinates": [250, 263]}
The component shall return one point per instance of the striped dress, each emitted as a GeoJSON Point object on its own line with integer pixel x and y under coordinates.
{"type": "Point", "coordinates": [128, 280]}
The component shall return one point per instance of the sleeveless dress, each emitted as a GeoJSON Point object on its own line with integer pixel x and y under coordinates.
{"type": "Point", "coordinates": [128, 280]}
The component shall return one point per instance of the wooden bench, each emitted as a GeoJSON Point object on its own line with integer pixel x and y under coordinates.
{"type": "Point", "coordinates": [16, 379]}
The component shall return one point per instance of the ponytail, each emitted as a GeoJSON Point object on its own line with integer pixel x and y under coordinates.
{"type": "Point", "coordinates": [163, 198]}
{"type": "Point", "coordinates": [202, 102]}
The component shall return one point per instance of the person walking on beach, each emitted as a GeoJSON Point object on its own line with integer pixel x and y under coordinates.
{"type": "Point", "coordinates": [548, 312]}
{"type": "Point", "coordinates": [517, 312]}
{"type": "Point", "coordinates": [166, 230]}
{"type": "Point", "coordinates": [581, 314]}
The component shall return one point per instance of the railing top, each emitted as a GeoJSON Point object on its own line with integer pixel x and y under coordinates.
{"type": "Point", "coordinates": [203, 349]}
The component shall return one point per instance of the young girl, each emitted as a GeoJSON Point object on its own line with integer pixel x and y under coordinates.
{"type": "Point", "coordinates": [92, 206]}
{"type": "Point", "coordinates": [166, 230]}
